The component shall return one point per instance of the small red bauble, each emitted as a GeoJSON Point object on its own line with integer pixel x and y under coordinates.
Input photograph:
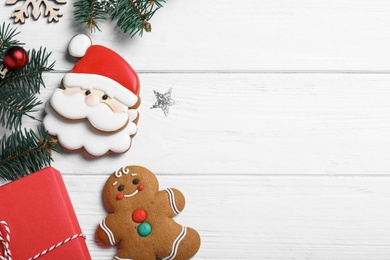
{"type": "Point", "coordinates": [15, 58]}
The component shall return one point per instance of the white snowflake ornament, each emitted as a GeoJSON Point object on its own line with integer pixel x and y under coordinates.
{"type": "Point", "coordinates": [51, 9]}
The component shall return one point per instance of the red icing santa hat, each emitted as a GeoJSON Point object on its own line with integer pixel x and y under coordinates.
{"type": "Point", "coordinates": [103, 69]}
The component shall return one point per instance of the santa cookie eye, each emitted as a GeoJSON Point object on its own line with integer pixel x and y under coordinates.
{"type": "Point", "coordinates": [135, 181]}
{"type": "Point", "coordinates": [87, 92]}
{"type": "Point", "coordinates": [104, 97]}
{"type": "Point", "coordinates": [121, 188]}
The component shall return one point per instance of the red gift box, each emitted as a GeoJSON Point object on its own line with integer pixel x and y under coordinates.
{"type": "Point", "coordinates": [40, 217]}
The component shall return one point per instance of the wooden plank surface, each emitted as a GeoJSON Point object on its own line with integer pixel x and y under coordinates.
{"type": "Point", "coordinates": [229, 35]}
{"type": "Point", "coordinates": [283, 124]}
{"type": "Point", "coordinates": [280, 138]}
{"type": "Point", "coordinates": [251, 217]}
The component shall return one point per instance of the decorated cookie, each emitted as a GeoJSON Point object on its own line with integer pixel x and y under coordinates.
{"type": "Point", "coordinates": [95, 107]}
{"type": "Point", "coordinates": [140, 218]}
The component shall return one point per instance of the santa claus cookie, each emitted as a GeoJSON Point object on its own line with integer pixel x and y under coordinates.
{"type": "Point", "coordinates": [140, 220]}
{"type": "Point", "coordinates": [94, 108]}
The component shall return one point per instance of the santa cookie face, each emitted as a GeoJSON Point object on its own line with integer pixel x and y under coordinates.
{"type": "Point", "coordinates": [95, 108]}
{"type": "Point", "coordinates": [140, 220]}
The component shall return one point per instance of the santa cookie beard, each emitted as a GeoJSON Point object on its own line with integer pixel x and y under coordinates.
{"type": "Point", "coordinates": [85, 104]}
{"type": "Point", "coordinates": [96, 128]}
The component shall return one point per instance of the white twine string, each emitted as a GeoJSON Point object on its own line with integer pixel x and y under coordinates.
{"type": "Point", "coordinates": [57, 245]}
{"type": "Point", "coordinates": [5, 243]}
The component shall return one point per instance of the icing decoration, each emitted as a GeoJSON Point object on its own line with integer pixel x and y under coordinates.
{"type": "Point", "coordinates": [176, 244]}
{"type": "Point", "coordinates": [119, 258]}
{"type": "Point", "coordinates": [102, 83]}
{"type": "Point", "coordinates": [94, 143]}
{"type": "Point", "coordinates": [115, 183]}
{"type": "Point", "coordinates": [99, 60]}
{"type": "Point", "coordinates": [142, 225]}
{"type": "Point", "coordinates": [100, 73]}
{"type": "Point", "coordinates": [133, 174]}
{"type": "Point", "coordinates": [172, 202]}
{"type": "Point", "coordinates": [78, 45]}
{"type": "Point", "coordinates": [91, 99]}
{"type": "Point", "coordinates": [123, 170]}
{"type": "Point", "coordinates": [144, 229]}
{"type": "Point", "coordinates": [108, 232]}
{"type": "Point", "coordinates": [139, 215]}
{"type": "Point", "coordinates": [132, 194]}
{"type": "Point", "coordinates": [64, 105]}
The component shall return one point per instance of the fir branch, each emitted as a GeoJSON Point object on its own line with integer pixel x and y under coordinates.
{"type": "Point", "coordinates": [7, 35]}
{"type": "Point", "coordinates": [89, 12]}
{"type": "Point", "coordinates": [14, 104]}
{"type": "Point", "coordinates": [133, 16]}
{"type": "Point", "coordinates": [24, 153]}
{"type": "Point", "coordinates": [29, 79]}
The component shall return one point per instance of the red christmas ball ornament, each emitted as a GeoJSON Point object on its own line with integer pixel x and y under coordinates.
{"type": "Point", "coordinates": [15, 58]}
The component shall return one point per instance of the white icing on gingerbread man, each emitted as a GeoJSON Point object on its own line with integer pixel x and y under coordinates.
{"type": "Point", "coordinates": [140, 218]}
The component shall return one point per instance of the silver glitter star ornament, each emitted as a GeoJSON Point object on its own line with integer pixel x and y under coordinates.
{"type": "Point", "coordinates": [107, 5]}
{"type": "Point", "coordinates": [164, 101]}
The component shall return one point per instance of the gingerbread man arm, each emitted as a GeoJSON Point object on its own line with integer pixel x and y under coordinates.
{"type": "Point", "coordinates": [174, 198]}
{"type": "Point", "coordinates": [104, 233]}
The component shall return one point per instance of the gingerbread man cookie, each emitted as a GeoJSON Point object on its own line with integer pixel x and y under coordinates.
{"type": "Point", "coordinates": [140, 218]}
{"type": "Point", "coordinates": [95, 107]}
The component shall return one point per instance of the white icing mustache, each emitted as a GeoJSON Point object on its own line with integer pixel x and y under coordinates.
{"type": "Point", "coordinates": [100, 116]}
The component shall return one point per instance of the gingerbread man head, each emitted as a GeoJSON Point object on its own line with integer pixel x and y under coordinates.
{"type": "Point", "coordinates": [127, 186]}
{"type": "Point", "coordinates": [140, 218]}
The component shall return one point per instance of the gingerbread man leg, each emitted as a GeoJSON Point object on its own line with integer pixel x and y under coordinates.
{"type": "Point", "coordinates": [104, 235]}
{"type": "Point", "coordinates": [183, 245]}
{"type": "Point", "coordinates": [135, 255]}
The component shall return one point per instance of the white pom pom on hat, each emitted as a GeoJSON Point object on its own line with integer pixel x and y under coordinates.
{"type": "Point", "coordinates": [78, 45]}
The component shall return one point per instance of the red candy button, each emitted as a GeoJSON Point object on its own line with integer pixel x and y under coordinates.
{"type": "Point", "coordinates": [120, 196]}
{"type": "Point", "coordinates": [139, 215]}
{"type": "Point", "coordinates": [140, 187]}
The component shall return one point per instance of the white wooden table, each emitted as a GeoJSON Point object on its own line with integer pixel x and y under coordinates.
{"type": "Point", "coordinates": [280, 138]}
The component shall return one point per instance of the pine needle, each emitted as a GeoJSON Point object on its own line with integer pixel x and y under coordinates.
{"type": "Point", "coordinates": [131, 16]}
{"type": "Point", "coordinates": [29, 79]}
{"type": "Point", "coordinates": [25, 152]}
{"type": "Point", "coordinates": [89, 12]}
{"type": "Point", "coordinates": [7, 34]}
{"type": "Point", "coordinates": [15, 104]}
{"type": "Point", "coordinates": [19, 87]}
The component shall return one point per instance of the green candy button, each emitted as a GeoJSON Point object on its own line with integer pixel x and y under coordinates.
{"type": "Point", "coordinates": [144, 229]}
